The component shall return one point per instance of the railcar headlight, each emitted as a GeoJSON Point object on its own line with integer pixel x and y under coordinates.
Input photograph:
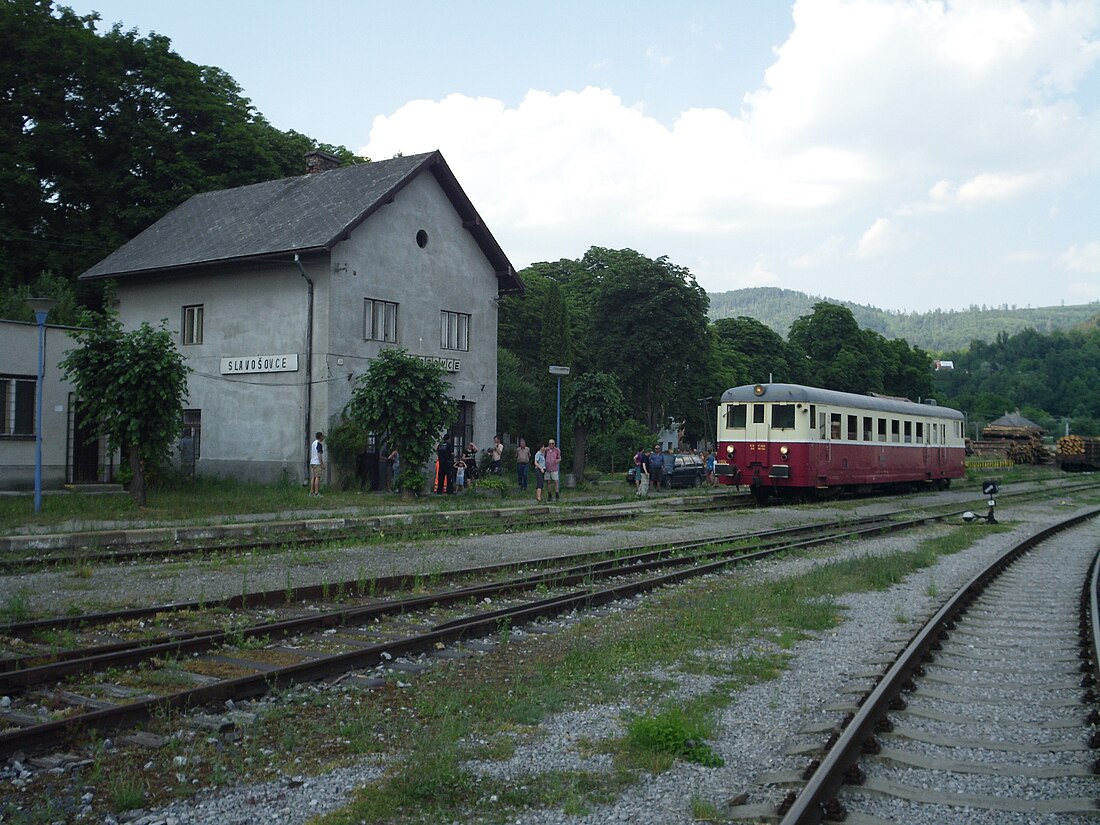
{"type": "Point", "coordinates": [783, 451]}
{"type": "Point", "coordinates": [729, 449]}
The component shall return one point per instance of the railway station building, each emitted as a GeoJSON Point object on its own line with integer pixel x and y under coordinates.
{"type": "Point", "coordinates": [72, 452]}
{"type": "Point", "coordinates": [280, 294]}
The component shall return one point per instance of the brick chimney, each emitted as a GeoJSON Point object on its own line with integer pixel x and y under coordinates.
{"type": "Point", "coordinates": [318, 161]}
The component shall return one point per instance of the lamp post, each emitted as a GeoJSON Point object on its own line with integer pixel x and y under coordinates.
{"type": "Point", "coordinates": [706, 421]}
{"type": "Point", "coordinates": [41, 308]}
{"type": "Point", "coordinates": [559, 372]}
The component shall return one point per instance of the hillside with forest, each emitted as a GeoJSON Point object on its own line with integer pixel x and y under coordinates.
{"type": "Point", "coordinates": [937, 332]}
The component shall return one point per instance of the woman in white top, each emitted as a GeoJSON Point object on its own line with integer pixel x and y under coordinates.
{"type": "Point", "coordinates": [540, 473]}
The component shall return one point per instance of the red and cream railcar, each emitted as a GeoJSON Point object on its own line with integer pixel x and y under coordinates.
{"type": "Point", "coordinates": [794, 441]}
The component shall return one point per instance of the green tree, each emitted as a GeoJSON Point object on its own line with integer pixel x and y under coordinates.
{"type": "Point", "coordinates": [518, 410]}
{"type": "Point", "coordinates": [555, 347]}
{"type": "Point", "coordinates": [404, 401]}
{"type": "Point", "coordinates": [648, 329]}
{"type": "Point", "coordinates": [757, 353]}
{"type": "Point", "coordinates": [103, 133]}
{"type": "Point", "coordinates": [594, 404]}
{"type": "Point", "coordinates": [134, 385]}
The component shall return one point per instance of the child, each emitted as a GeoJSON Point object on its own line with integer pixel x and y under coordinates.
{"type": "Point", "coordinates": [460, 474]}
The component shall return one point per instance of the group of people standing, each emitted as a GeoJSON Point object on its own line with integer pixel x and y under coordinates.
{"type": "Point", "coordinates": [451, 475]}
{"type": "Point", "coordinates": [653, 468]}
{"type": "Point", "coordinates": [547, 469]}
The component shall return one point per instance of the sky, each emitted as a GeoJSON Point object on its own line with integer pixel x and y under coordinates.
{"type": "Point", "coordinates": [905, 154]}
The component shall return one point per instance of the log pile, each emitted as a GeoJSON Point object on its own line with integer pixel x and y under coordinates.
{"type": "Point", "coordinates": [1029, 450]}
{"type": "Point", "coordinates": [1079, 452]}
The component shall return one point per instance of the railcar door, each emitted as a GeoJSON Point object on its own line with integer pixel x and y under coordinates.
{"type": "Point", "coordinates": [757, 436]}
{"type": "Point", "coordinates": [821, 452]}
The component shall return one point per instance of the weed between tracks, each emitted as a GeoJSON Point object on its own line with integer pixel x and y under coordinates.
{"type": "Point", "coordinates": [429, 731]}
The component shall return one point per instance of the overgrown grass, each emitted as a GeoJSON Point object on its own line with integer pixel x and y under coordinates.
{"type": "Point", "coordinates": [212, 498]}
{"type": "Point", "coordinates": [653, 743]}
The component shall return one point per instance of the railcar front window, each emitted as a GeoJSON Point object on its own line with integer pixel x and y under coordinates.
{"type": "Point", "coordinates": [813, 417]}
{"type": "Point", "coordinates": [757, 413]}
{"type": "Point", "coordinates": [735, 416]}
{"type": "Point", "coordinates": [783, 416]}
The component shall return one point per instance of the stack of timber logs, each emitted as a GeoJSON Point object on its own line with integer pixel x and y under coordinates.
{"type": "Point", "coordinates": [1079, 452]}
{"type": "Point", "coordinates": [1029, 450]}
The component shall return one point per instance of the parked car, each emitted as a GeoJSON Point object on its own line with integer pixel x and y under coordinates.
{"type": "Point", "coordinates": [689, 471]}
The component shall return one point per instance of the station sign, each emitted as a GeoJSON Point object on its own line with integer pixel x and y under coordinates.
{"type": "Point", "coordinates": [246, 364]}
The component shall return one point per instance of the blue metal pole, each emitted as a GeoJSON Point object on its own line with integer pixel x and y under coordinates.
{"type": "Point", "coordinates": [557, 432]}
{"type": "Point", "coordinates": [41, 318]}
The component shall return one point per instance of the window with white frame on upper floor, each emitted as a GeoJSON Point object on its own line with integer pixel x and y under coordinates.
{"type": "Point", "coordinates": [380, 321]}
{"type": "Point", "coordinates": [192, 324]}
{"type": "Point", "coordinates": [454, 330]}
{"type": "Point", "coordinates": [17, 401]}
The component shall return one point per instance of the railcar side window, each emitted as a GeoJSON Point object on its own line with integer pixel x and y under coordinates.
{"type": "Point", "coordinates": [908, 432]}
{"type": "Point", "coordinates": [821, 432]}
{"type": "Point", "coordinates": [757, 413]}
{"type": "Point", "coordinates": [853, 428]}
{"type": "Point", "coordinates": [895, 430]}
{"type": "Point", "coordinates": [813, 417]}
{"type": "Point", "coordinates": [735, 416]}
{"type": "Point", "coordinates": [783, 416]}
{"type": "Point", "coordinates": [920, 432]}
{"type": "Point", "coordinates": [867, 425]}
{"type": "Point", "coordinates": [882, 429]}
{"type": "Point", "coordinates": [834, 426]}
{"type": "Point", "coordinates": [935, 433]}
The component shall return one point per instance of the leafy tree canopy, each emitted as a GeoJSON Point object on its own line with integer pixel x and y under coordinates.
{"type": "Point", "coordinates": [403, 400]}
{"type": "Point", "coordinates": [594, 404]}
{"type": "Point", "coordinates": [134, 384]}
{"type": "Point", "coordinates": [103, 133]}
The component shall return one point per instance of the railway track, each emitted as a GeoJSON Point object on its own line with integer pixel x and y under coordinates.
{"type": "Point", "coordinates": [372, 529]}
{"type": "Point", "coordinates": [189, 669]}
{"type": "Point", "coordinates": [350, 529]}
{"type": "Point", "coordinates": [987, 716]}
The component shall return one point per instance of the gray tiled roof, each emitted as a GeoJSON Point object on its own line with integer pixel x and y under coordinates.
{"type": "Point", "coordinates": [300, 214]}
{"type": "Point", "coordinates": [1015, 420]}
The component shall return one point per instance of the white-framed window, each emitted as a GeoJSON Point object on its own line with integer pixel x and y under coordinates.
{"type": "Point", "coordinates": [192, 324]}
{"type": "Point", "coordinates": [17, 401]}
{"type": "Point", "coordinates": [380, 321]}
{"type": "Point", "coordinates": [454, 330]}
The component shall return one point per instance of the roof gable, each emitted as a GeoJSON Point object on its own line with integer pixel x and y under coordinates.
{"type": "Point", "coordinates": [307, 213]}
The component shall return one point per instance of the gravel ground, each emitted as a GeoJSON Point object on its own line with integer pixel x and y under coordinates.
{"type": "Point", "coordinates": [754, 731]}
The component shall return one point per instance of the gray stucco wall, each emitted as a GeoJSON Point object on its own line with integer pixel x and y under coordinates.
{"type": "Point", "coordinates": [383, 261]}
{"type": "Point", "coordinates": [252, 423]}
{"type": "Point", "coordinates": [19, 356]}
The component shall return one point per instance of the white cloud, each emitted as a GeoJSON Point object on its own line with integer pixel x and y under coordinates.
{"type": "Point", "coordinates": [1085, 258]}
{"type": "Point", "coordinates": [891, 107]}
{"type": "Point", "coordinates": [882, 237]}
